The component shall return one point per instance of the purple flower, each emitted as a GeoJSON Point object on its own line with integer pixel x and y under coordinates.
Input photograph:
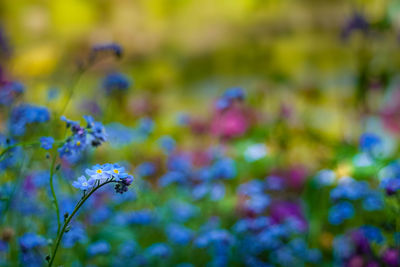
{"type": "Point", "coordinates": [46, 142]}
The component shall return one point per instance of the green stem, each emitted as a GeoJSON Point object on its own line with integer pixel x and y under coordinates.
{"type": "Point", "coordinates": [69, 218]}
{"type": "Point", "coordinates": [53, 163]}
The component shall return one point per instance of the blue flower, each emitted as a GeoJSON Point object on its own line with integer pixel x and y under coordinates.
{"type": "Point", "coordinates": [75, 235]}
{"type": "Point", "coordinates": [114, 48]}
{"type": "Point", "coordinates": [372, 233]}
{"type": "Point", "coordinates": [10, 91]}
{"type": "Point", "coordinates": [115, 171]}
{"type": "Point", "coordinates": [30, 240]}
{"type": "Point", "coordinates": [340, 212]}
{"type": "Point", "coordinates": [167, 143]}
{"type": "Point", "coordinates": [373, 201]}
{"type": "Point", "coordinates": [46, 142]}
{"type": "Point", "coordinates": [83, 184]}
{"type": "Point", "coordinates": [115, 82]}
{"type": "Point", "coordinates": [179, 234]}
{"type": "Point", "coordinates": [224, 168]}
{"type": "Point", "coordinates": [26, 114]}
{"type": "Point", "coordinates": [234, 93]}
{"type": "Point", "coordinates": [146, 169]}
{"type": "Point", "coordinates": [99, 247]}
{"type": "Point", "coordinates": [100, 172]}
{"type": "Point", "coordinates": [96, 130]}
{"type": "Point", "coordinates": [159, 250]}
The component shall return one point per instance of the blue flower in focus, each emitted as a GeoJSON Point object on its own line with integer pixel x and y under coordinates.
{"type": "Point", "coordinates": [116, 171]}
{"type": "Point", "coordinates": [115, 82]}
{"type": "Point", "coordinates": [99, 172]}
{"type": "Point", "coordinates": [83, 184]}
{"type": "Point", "coordinates": [99, 247]}
{"type": "Point", "coordinates": [46, 142]}
{"type": "Point", "coordinates": [342, 211]}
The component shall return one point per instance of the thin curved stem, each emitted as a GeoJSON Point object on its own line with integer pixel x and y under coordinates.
{"type": "Point", "coordinates": [53, 163]}
{"type": "Point", "coordinates": [69, 218]}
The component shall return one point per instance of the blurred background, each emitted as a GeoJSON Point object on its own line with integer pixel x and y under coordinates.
{"type": "Point", "coordinates": [315, 74]}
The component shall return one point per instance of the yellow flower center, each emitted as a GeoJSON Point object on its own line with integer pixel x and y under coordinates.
{"type": "Point", "coordinates": [116, 171]}
{"type": "Point", "coordinates": [99, 171]}
{"type": "Point", "coordinates": [78, 143]}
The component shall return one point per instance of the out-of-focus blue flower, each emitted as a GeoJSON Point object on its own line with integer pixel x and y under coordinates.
{"type": "Point", "coordinates": [224, 168]}
{"type": "Point", "coordinates": [167, 143]}
{"type": "Point", "coordinates": [140, 217]}
{"type": "Point", "coordinates": [83, 184]}
{"type": "Point", "coordinates": [99, 247]}
{"type": "Point", "coordinates": [372, 233]}
{"type": "Point", "coordinates": [115, 82]}
{"type": "Point", "coordinates": [26, 114]}
{"type": "Point", "coordinates": [342, 247]}
{"type": "Point", "coordinates": [371, 143]}
{"type": "Point", "coordinates": [274, 183]}
{"type": "Point", "coordinates": [250, 188]}
{"type": "Point", "coordinates": [179, 163]}
{"type": "Point", "coordinates": [357, 22]}
{"type": "Point", "coordinates": [171, 177]}
{"type": "Point", "coordinates": [213, 237]}
{"type": "Point", "coordinates": [234, 93]}
{"type": "Point", "coordinates": [146, 169]}
{"type": "Point", "coordinates": [75, 235]}
{"type": "Point", "coordinates": [350, 189]}
{"type": "Point", "coordinates": [3, 246]}
{"type": "Point", "coordinates": [30, 240]}
{"type": "Point", "coordinates": [222, 103]}
{"type": "Point", "coordinates": [255, 152]}
{"type": "Point", "coordinates": [99, 49]}
{"type": "Point", "coordinates": [257, 203]}
{"type": "Point", "coordinates": [391, 185]}
{"type": "Point", "coordinates": [146, 126]}
{"type": "Point", "coordinates": [179, 234]}
{"type": "Point", "coordinates": [340, 212]}
{"type": "Point", "coordinates": [183, 211]}
{"type": "Point", "coordinates": [373, 201]}
{"type": "Point", "coordinates": [10, 91]}
{"type": "Point", "coordinates": [325, 177]}
{"type": "Point", "coordinates": [217, 191]}
{"type": "Point", "coordinates": [159, 250]}
{"type": "Point", "coordinates": [46, 142]}
{"type": "Point", "coordinates": [100, 214]}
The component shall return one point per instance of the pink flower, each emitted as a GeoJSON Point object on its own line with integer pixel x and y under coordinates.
{"type": "Point", "coordinates": [229, 123]}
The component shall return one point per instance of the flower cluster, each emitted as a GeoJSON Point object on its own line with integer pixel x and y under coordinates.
{"type": "Point", "coordinates": [99, 174]}
{"type": "Point", "coordinates": [93, 134]}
